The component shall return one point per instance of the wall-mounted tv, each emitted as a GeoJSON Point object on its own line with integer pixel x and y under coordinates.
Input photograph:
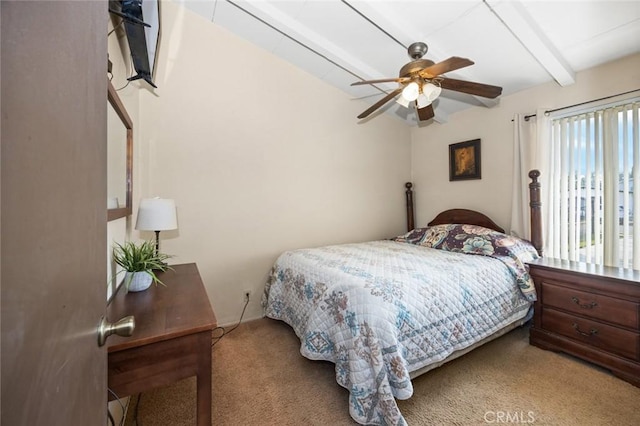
{"type": "Point", "coordinates": [141, 20]}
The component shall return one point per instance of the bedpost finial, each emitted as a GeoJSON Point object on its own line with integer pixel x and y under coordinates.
{"type": "Point", "coordinates": [408, 185]}
{"type": "Point", "coordinates": [534, 175]}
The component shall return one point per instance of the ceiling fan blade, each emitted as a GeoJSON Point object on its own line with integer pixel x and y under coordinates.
{"type": "Point", "coordinates": [381, 102]}
{"type": "Point", "coordinates": [451, 64]}
{"type": "Point", "coordinates": [382, 80]}
{"type": "Point", "coordinates": [425, 113]}
{"type": "Point", "coordinates": [477, 89]}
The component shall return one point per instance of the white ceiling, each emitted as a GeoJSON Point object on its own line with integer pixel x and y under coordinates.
{"type": "Point", "coordinates": [514, 44]}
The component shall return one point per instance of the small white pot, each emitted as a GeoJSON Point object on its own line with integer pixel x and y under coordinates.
{"type": "Point", "coordinates": [139, 282]}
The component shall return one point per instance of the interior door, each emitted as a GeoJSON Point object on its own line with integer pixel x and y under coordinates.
{"type": "Point", "coordinates": [53, 211]}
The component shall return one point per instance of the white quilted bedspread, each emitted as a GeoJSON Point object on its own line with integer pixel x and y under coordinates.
{"type": "Point", "coordinates": [382, 309]}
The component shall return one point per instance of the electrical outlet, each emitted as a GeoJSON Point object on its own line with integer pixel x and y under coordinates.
{"type": "Point", "coordinates": [247, 295]}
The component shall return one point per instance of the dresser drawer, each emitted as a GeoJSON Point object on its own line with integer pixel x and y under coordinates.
{"type": "Point", "coordinates": [612, 310]}
{"type": "Point", "coordinates": [611, 339]}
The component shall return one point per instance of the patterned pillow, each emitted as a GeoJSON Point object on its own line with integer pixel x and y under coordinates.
{"type": "Point", "coordinates": [472, 239]}
{"type": "Point", "coordinates": [411, 237]}
{"type": "Point", "coordinates": [435, 236]}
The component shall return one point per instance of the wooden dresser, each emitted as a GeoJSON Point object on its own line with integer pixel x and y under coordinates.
{"type": "Point", "coordinates": [589, 311]}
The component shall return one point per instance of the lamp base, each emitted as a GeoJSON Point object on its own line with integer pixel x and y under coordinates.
{"type": "Point", "coordinates": [157, 242]}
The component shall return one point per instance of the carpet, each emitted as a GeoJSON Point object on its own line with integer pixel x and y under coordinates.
{"type": "Point", "coordinates": [260, 378]}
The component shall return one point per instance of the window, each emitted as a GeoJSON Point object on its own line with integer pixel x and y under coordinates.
{"type": "Point", "coordinates": [595, 167]}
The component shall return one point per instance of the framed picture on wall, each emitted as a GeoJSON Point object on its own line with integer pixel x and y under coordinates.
{"type": "Point", "coordinates": [464, 160]}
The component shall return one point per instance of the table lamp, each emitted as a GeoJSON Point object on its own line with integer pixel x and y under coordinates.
{"type": "Point", "coordinates": [157, 214]}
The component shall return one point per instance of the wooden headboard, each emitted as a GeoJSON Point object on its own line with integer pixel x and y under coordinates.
{"type": "Point", "coordinates": [476, 218]}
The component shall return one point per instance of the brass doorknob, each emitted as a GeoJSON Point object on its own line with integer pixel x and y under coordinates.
{"type": "Point", "coordinates": [122, 327]}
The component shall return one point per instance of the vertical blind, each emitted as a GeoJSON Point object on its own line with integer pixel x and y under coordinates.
{"type": "Point", "coordinates": [594, 169]}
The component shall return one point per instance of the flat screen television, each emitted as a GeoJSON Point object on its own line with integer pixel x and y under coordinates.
{"type": "Point", "coordinates": [141, 20]}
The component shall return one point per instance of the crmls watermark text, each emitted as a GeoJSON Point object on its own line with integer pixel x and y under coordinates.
{"type": "Point", "coordinates": [509, 417]}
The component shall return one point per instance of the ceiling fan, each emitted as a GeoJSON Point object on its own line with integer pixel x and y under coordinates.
{"type": "Point", "coordinates": [421, 83]}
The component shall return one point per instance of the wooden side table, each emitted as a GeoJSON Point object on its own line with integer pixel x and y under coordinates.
{"type": "Point", "coordinates": [589, 311]}
{"type": "Point", "coordinates": [171, 340]}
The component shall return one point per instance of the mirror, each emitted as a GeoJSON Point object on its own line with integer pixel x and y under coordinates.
{"type": "Point", "coordinates": [119, 157]}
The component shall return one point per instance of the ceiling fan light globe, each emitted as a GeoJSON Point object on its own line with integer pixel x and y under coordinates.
{"type": "Point", "coordinates": [423, 101]}
{"type": "Point", "coordinates": [411, 91]}
{"type": "Point", "coordinates": [402, 101]}
{"type": "Point", "coordinates": [431, 91]}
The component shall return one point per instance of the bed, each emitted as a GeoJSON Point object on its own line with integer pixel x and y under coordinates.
{"type": "Point", "coordinates": [387, 311]}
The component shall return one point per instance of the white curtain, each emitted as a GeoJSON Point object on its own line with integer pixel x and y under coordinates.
{"type": "Point", "coordinates": [530, 142]}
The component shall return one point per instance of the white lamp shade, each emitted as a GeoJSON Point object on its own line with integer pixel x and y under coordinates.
{"type": "Point", "coordinates": [431, 91]}
{"type": "Point", "coordinates": [157, 214]}
{"type": "Point", "coordinates": [411, 91]}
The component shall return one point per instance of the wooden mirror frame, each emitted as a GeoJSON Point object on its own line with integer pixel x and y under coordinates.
{"type": "Point", "coordinates": [118, 106]}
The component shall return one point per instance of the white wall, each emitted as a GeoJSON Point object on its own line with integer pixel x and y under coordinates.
{"type": "Point", "coordinates": [492, 194]}
{"type": "Point", "coordinates": [260, 157]}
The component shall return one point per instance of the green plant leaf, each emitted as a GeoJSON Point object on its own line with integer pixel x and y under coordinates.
{"type": "Point", "coordinates": [140, 257]}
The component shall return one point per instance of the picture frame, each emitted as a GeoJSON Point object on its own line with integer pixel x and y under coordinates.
{"type": "Point", "coordinates": [464, 160]}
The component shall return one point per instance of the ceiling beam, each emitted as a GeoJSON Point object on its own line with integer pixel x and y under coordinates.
{"type": "Point", "coordinates": [297, 31]}
{"type": "Point", "coordinates": [518, 21]}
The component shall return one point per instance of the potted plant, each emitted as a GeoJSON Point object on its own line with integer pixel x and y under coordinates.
{"type": "Point", "coordinates": [140, 261]}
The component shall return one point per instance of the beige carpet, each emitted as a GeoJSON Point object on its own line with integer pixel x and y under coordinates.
{"type": "Point", "coordinates": [260, 378]}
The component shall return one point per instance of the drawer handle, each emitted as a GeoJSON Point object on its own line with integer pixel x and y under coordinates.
{"type": "Point", "coordinates": [584, 305]}
{"type": "Point", "coordinates": [591, 332]}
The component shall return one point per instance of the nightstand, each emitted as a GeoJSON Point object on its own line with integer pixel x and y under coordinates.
{"type": "Point", "coordinates": [589, 311]}
{"type": "Point", "coordinates": [171, 341]}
